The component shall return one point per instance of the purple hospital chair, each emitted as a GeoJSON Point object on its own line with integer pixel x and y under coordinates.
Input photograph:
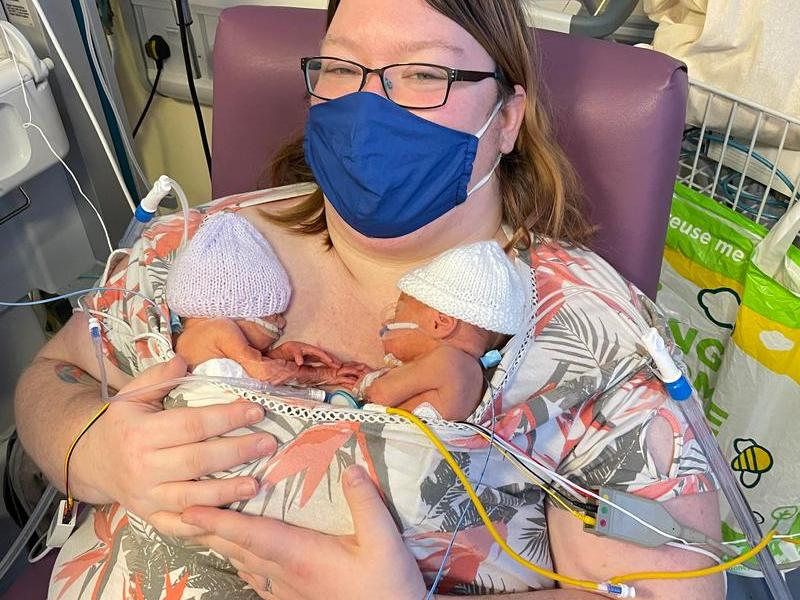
{"type": "Point", "coordinates": [618, 111]}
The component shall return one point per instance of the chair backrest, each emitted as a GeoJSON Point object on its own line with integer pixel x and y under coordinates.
{"type": "Point", "coordinates": [618, 113]}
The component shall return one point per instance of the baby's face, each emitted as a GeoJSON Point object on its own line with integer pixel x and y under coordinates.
{"type": "Point", "coordinates": [409, 344]}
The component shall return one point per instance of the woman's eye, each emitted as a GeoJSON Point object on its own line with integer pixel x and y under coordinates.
{"type": "Point", "coordinates": [425, 75]}
{"type": "Point", "coordinates": [341, 69]}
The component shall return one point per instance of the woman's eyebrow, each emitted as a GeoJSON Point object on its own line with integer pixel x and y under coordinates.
{"type": "Point", "coordinates": [408, 47]}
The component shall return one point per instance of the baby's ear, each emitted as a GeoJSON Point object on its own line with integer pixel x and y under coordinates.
{"type": "Point", "coordinates": [444, 325]}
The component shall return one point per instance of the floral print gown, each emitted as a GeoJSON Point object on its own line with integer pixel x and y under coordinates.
{"type": "Point", "coordinates": [574, 391]}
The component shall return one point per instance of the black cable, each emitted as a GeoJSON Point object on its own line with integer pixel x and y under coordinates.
{"type": "Point", "coordinates": [149, 100]}
{"type": "Point", "coordinates": [190, 77]}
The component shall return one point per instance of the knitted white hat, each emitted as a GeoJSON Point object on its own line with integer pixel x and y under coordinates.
{"type": "Point", "coordinates": [476, 283]}
{"type": "Point", "coordinates": [229, 270]}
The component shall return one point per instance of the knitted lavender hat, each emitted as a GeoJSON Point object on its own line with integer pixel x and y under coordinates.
{"type": "Point", "coordinates": [474, 283]}
{"type": "Point", "coordinates": [229, 270]}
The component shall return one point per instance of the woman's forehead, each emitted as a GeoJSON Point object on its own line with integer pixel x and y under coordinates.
{"type": "Point", "coordinates": [374, 29]}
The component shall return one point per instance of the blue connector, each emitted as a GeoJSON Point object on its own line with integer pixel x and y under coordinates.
{"type": "Point", "coordinates": [94, 328]}
{"type": "Point", "coordinates": [491, 359]}
{"type": "Point", "coordinates": [142, 215]}
{"type": "Point", "coordinates": [680, 389]}
{"type": "Point", "coordinates": [619, 590]}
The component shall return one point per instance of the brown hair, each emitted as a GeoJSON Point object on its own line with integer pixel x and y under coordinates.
{"type": "Point", "coordinates": [538, 186]}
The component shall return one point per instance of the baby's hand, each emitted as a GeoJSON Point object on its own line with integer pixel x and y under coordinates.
{"type": "Point", "coordinates": [273, 371]}
{"type": "Point", "coordinates": [299, 352]}
{"type": "Point", "coordinates": [350, 374]}
{"type": "Point", "coordinates": [204, 339]}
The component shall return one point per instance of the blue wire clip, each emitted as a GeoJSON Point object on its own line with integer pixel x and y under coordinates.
{"type": "Point", "coordinates": [491, 359]}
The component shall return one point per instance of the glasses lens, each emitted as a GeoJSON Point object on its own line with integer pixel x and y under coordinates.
{"type": "Point", "coordinates": [416, 85]}
{"type": "Point", "coordinates": [331, 78]}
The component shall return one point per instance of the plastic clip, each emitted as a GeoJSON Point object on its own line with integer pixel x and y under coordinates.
{"type": "Point", "coordinates": [491, 359]}
{"type": "Point", "coordinates": [62, 525]}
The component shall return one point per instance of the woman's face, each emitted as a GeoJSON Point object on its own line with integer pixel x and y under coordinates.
{"type": "Point", "coordinates": [376, 33]}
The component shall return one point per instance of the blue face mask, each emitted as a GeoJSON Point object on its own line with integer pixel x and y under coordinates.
{"type": "Point", "coordinates": [386, 171]}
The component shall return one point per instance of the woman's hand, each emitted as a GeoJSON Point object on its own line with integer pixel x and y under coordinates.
{"type": "Point", "coordinates": [291, 563]}
{"type": "Point", "coordinates": [145, 458]}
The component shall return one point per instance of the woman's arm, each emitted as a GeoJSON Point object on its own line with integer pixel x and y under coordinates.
{"type": "Point", "coordinates": [136, 453]}
{"type": "Point", "coordinates": [300, 564]}
{"type": "Point", "coordinates": [587, 556]}
{"type": "Point", "coordinates": [56, 396]}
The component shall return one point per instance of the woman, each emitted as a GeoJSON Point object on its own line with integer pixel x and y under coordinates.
{"type": "Point", "coordinates": [144, 459]}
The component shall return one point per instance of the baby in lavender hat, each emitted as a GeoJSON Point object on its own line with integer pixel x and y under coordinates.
{"type": "Point", "coordinates": [230, 291]}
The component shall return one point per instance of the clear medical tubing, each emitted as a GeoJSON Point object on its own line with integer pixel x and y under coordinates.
{"type": "Point", "coordinates": [148, 206]}
{"type": "Point", "coordinates": [281, 391]}
{"type": "Point", "coordinates": [741, 508]}
{"type": "Point", "coordinates": [30, 527]}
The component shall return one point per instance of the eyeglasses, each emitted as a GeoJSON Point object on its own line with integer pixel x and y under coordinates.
{"type": "Point", "coordinates": [410, 85]}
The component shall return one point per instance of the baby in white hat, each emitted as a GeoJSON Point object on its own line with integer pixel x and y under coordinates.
{"type": "Point", "coordinates": [231, 290]}
{"type": "Point", "coordinates": [451, 313]}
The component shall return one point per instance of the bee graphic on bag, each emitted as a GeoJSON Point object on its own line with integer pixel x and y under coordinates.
{"type": "Point", "coordinates": [751, 461]}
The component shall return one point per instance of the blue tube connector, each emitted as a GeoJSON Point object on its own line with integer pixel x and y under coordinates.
{"type": "Point", "coordinates": [680, 389]}
{"type": "Point", "coordinates": [143, 215]}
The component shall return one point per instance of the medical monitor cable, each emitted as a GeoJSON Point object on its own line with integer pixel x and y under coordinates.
{"type": "Point", "coordinates": [30, 124]}
{"type": "Point", "coordinates": [86, 106]}
{"type": "Point", "coordinates": [156, 79]}
{"type": "Point", "coordinates": [183, 25]}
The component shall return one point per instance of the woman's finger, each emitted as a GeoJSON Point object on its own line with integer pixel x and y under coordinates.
{"type": "Point", "coordinates": [268, 539]}
{"type": "Point", "coordinates": [191, 461]}
{"type": "Point", "coordinates": [371, 519]}
{"type": "Point", "coordinates": [180, 495]}
{"type": "Point", "coordinates": [187, 425]}
{"type": "Point", "coordinates": [244, 559]}
{"type": "Point", "coordinates": [169, 523]}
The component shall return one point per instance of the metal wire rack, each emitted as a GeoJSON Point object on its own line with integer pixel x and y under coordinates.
{"type": "Point", "coordinates": [759, 178]}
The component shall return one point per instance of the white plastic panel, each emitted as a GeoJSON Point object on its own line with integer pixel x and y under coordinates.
{"type": "Point", "coordinates": [23, 152]}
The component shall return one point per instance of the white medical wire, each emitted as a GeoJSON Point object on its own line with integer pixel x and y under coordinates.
{"type": "Point", "coordinates": [30, 123]}
{"type": "Point", "coordinates": [101, 77]}
{"type": "Point", "coordinates": [157, 337]}
{"type": "Point", "coordinates": [104, 277]}
{"type": "Point", "coordinates": [87, 107]}
{"type": "Point", "coordinates": [696, 550]}
{"type": "Point", "coordinates": [44, 552]}
{"type": "Point", "coordinates": [99, 313]}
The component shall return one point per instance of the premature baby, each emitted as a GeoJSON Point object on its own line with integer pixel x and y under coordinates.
{"type": "Point", "coordinates": [451, 313]}
{"type": "Point", "coordinates": [230, 291]}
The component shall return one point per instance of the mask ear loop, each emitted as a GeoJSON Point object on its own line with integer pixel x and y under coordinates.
{"type": "Point", "coordinates": [484, 180]}
{"type": "Point", "coordinates": [478, 135]}
{"type": "Point", "coordinates": [483, 129]}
